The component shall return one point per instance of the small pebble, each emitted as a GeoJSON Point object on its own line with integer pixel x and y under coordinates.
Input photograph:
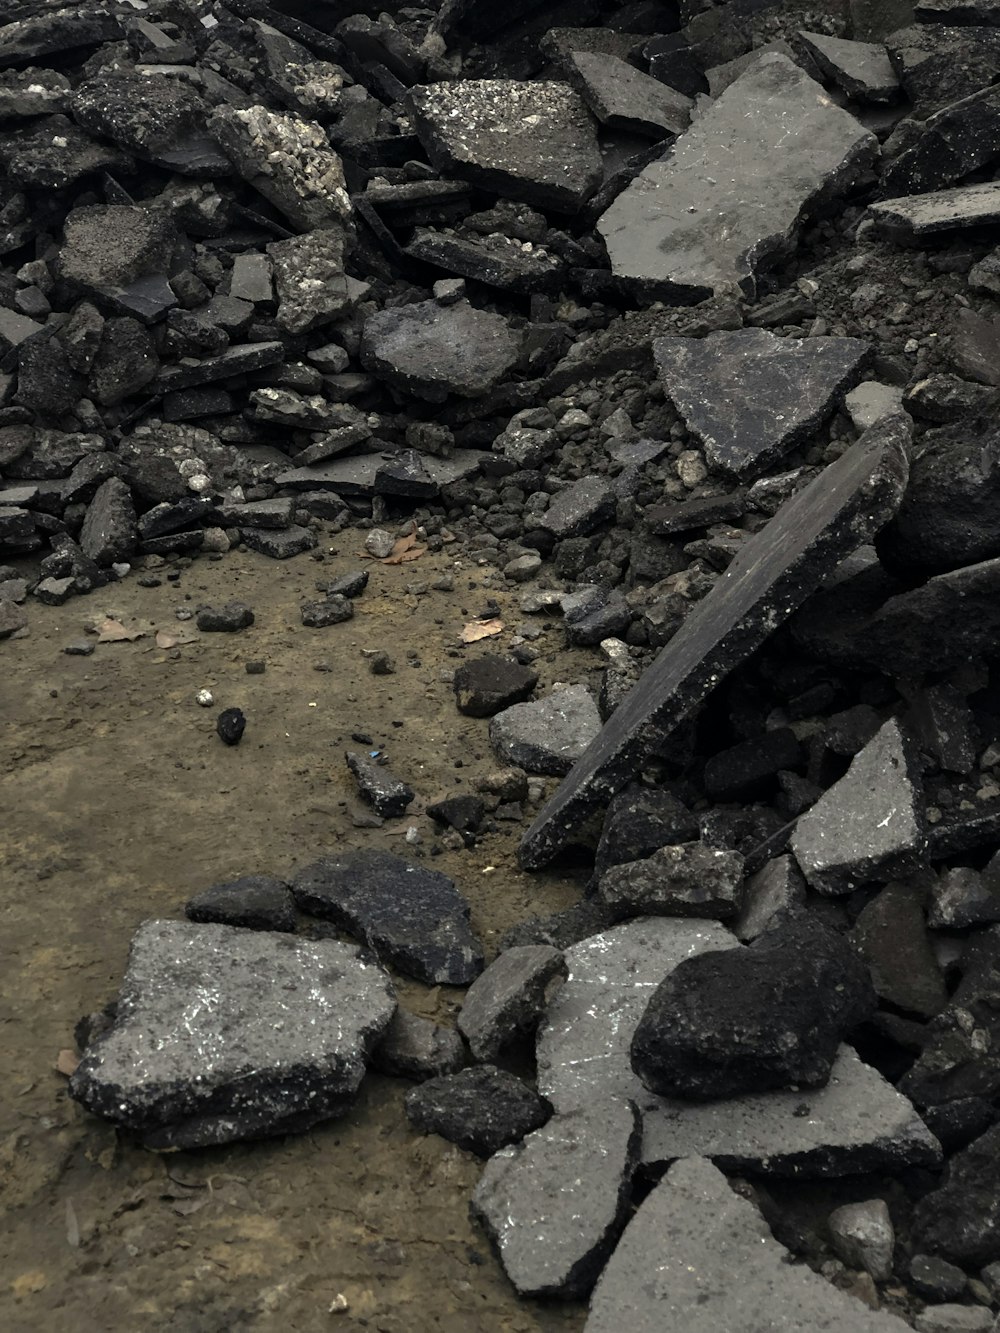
{"type": "Point", "coordinates": [81, 648]}
{"type": "Point", "coordinates": [231, 725]}
{"type": "Point", "coordinates": [205, 698]}
{"type": "Point", "coordinates": [255, 668]}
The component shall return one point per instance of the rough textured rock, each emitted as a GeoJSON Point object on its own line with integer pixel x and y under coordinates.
{"type": "Point", "coordinates": [770, 896]}
{"type": "Point", "coordinates": [869, 825]}
{"type": "Point", "coordinates": [530, 141]}
{"type": "Point", "coordinates": [256, 902]}
{"type": "Point", "coordinates": [509, 998]}
{"type": "Point", "coordinates": [310, 279]}
{"type": "Point", "coordinates": [482, 1109]}
{"type": "Point", "coordinates": [109, 533]}
{"type": "Point", "coordinates": [640, 821]}
{"type": "Point", "coordinates": [950, 514]}
{"type": "Point", "coordinates": [580, 508]}
{"type": "Point", "coordinates": [862, 69]}
{"type": "Point", "coordinates": [864, 1237]}
{"type": "Point", "coordinates": [954, 142]}
{"type": "Point", "coordinates": [730, 195]}
{"type": "Point", "coordinates": [960, 1221]}
{"type": "Point", "coordinates": [415, 1048]}
{"type": "Point", "coordinates": [857, 1122]}
{"type": "Point", "coordinates": [772, 574]}
{"type": "Point", "coordinates": [387, 795]}
{"type": "Point", "coordinates": [549, 735]}
{"type": "Point", "coordinates": [413, 917]}
{"type": "Point", "coordinates": [913, 217]}
{"type": "Point", "coordinates": [750, 396]}
{"type": "Point", "coordinates": [691, 879]}
{"type": "Point", "coordinates": [698, 1257]}
{"type": "Point", "coordinates": [192, 1057]}
{"type": "Point", "coordinates": [555, 1205]}
{"type": "Point", "coordinates": [433, 350]}
{"type": "Point", "coordinates": [487, 685]}
{"type": "Point", "coordinates": [747, 1020]}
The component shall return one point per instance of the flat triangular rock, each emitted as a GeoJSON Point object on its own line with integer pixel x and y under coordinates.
{"type": "Point", "coordinates": [749, 396]}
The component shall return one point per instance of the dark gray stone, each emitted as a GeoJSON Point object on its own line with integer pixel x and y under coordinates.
{"type": "Point", "coordinates": [415, 1048]}
{"type": "Point", "coordinates": [623, 98]}
{"type": "Point", "coordinates": [529, 141]}
{"type": "Point", "coordinates": [581, 508]}
{"type": "Point", "coordinates": [748, 1020]}
{"type": "Point", "coordinates": [497, 260]}
{"type": "Point", "coordinates": [333, 610]}
{"type": "Point", "coordinates": [230, 726]}
{"type": "Point", "coordinates": [857, 1122]}
{"type": "Point", "coordinates": [952, 143]}
{"type": "Point", "coordinates": [962, 897]}
{"type": "Point", "coordinates": [509, 998]}
{"type": "Point", "coordinates": [224, 1034]}
{"type": "Point", "coordinates": [698, 1257]}
{"type": "Point", "coordinates": [975, 346]}
{"type": "Point", "coordinates": [279, 545]}
{"type": "Point", "coordinates": [560, 929]}
{"type": "Point", "coordinates": [936, 1278]}
{"type": "Point", "coordinates": [639, 821]}
{"type": "Point", "coordinates": [274, 514]}
{"type": "Point", "coordinates": [730, 195]}
{"type": "Point", "coordinates": [109, 532]}
{"type": "Point", "coordinates": [239, 360]}
{"type": "Point", "coordinates": [415, 918]}
{"type": "Point", "coordinates": [891, 936]}
{"type": "Point", "coordinates": [13, 618]}
{"type": "Point", "coordinates": [555, 1205]}
{"type": "Point", "coordinates": [125, 363]}
{"type": "Point", "coordinates": [432, 350]}
{"type": "Point", "coordinates": [773, 573]}
{"type": "Point", "coordinates": [387, 796]}
{"type": "Point", "coordinates": [960, 1221]}
{"type": "Point", "coordinates": [145, 114]}
{"type": "Point", "coordinates": [950, 514]}
{"type": "Point", "coordinates": [869, 825]}
{"type": "Point", "coordinates": [482, 1109]}
{"type": "Point", "coordinates": [44, 32]}
{"type": "Point", "coordinates": [862, 69]}
{"type": "Point", "coordinates": [225, 620]}
{"type": "Point", "coordinates": [750, 768]}
{"type": "Point", "coordinates": [751, 396]}
{"type": "Point", "coordinates": [549, 735]}
{"type": "Point", "coordinates": [52, 153]}
{"type": "Point", "coordinates": [256, 902]}
{"type": "Point", "coordinates": [691, 879]}
{"type": "Point", "coordinates": [487, 685]}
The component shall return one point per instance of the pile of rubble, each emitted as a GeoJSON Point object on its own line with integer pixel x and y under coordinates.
{"type": "Point", "coordinates": [685, 316]}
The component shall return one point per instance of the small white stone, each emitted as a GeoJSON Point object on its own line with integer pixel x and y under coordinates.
{"type": "Point", "coordinates": [205, 698]}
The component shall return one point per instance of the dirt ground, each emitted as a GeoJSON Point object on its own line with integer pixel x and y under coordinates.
{"type": "Point", "coordinates": [118, 802]}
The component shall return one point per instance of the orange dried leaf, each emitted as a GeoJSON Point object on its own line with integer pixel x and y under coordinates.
{"type": "Point", "coordinates": [113, 631]}
{"type": "Point", "coordinates": [481, 629]}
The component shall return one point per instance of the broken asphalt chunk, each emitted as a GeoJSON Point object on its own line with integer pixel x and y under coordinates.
{"type": "Point", "coordinates": [869, 825]}
{"type": "Point", "coordinates": [224, 1034]}
{"type": "Point", "coordinates": [729, 196]}
{"type": "Point", "coordinates": [509, 998]}
{"type": "Point", "coordinates": [482, 1109]}
{"type": "Point", "coordinates": [548, 735]}
{"type": "Point", "coordinates": [912, 217]}
{"type": "Point", "coordinates": [414, 918]}
{"type": "Point", "coordinates": [856, 1122]}
{"type": "Point", "coordinates": [771, 575]}
{"type": "Point", "coordinates": [623, 98]}
{"type": "Point", "coordinates": [698, 1257]}
{"type": "Point", "coordinates": [255, 902]}
{"type": "Point", "coordinates": [530, 141]}
{"type": "Point", "coordinates": [862, 69]}
{"type": "Point", "coordinates": [387, 796]}
{"type": "Point", "coordinates": [750, 396]}
{"type": "Point", "coordinates": [433, 350]}
{"type": "Point", "coordinates": [689, 879]}
{"type": "Point", "coordinates": [555, 1205]}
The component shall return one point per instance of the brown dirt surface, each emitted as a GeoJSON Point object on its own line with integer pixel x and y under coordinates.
{"type": "Point", "coordinates": [119, 802]}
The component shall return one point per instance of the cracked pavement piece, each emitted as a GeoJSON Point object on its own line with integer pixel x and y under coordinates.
{"type": "Point", "coordinates": [700, 1258]}
{"type": "Point", "coordinates": [730, 195]}
{"type": "Point", "coordinates": [750, 396]}
{"type": "Point", "coordinates": [509, 998]}
{"type": "Point", "coordinates": [548, 735]}
{"type": "Point", "coordinates": [534, 142]}
{"type": "Point", "coordinates": [555, 1205]}
{"type": "Point", "coordinates": [773, 573]}
{"type": "Point", "coordinates": [856, 1122]}
{"type": "Point", "coordinates": [223, 1033]}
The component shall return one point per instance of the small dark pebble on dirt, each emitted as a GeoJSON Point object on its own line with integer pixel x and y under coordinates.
{"type": "Point", "coordinates": [231, 725]}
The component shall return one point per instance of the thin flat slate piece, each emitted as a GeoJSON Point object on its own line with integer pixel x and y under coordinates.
{"type": "Point", "coordinates": [915, 216]}
{"type": "Point", "coordinates": [728, 198]}
{"type": "Point", "coordinates": [862, 69]}
{"type": "Point", "coordinates": [623, 98]}
{"type": "Point", "coordinates": [223, 1033]}
{"type": "Point", "coordinates": [774, 572]}
{"type": "Point", "coordinates": [750, 396]}
{"type": "Point", "coordinates": [698, 1258]}
{"type": "Point", "coordinates": [857, 1122]}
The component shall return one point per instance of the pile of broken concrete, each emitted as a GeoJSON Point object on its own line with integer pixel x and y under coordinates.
{"type": "Point", "coordinates": [685, 317]}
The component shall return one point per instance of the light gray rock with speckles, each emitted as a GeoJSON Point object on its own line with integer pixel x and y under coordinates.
{"type": "Point", "coordinates": [223, 1033]}
{"type": "Point", "coordinates": [698, 1258]}
{"type": "Point", "coordinates": [555, 1204]}
{"type": "Point", "coordinates": [548, 735]}
{"type": "Point", "coordinates": [509, 997]}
